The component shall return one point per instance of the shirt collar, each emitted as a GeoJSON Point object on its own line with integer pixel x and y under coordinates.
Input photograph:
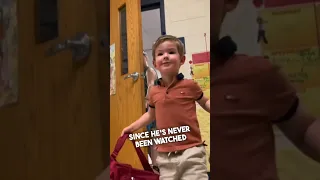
{"type": "Point", "coordinates": [223, 50]}
{"type": "Point", "coordinates": [179, 76]}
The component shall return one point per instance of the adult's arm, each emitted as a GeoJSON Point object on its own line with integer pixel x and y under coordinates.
{"type": "Point", "coordinates": [287, 112]}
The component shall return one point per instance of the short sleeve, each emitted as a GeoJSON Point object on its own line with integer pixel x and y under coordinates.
{"type": "Point", "coordinates": [151, 97]}
{"type": "Point", "coordinates": [197, 91]}
{"type": "Point", "coordinates": [278, 92]}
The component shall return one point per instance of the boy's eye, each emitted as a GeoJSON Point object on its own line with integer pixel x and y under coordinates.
{"type": "Point", "coordinates": [160, 54]}
{"type": "Point", "coordinates": [172, 52]}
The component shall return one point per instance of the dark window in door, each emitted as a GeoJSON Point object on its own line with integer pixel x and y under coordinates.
{"type": "Point", "coordinates": [46, 20]}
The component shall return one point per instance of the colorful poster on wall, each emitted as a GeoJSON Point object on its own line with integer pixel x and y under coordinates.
{"type": "Point", "coordinates": [200, 70]}
{"type": "Point", "coordinates": [203, 57]}
{"type": "Point", "coordinates": [112, 70]}
{"type": "Point", "coordinates": [279, 3]}
{"type": "Point", "coordinates": [288, 27]}
{"type": "Point", "coordinates": [201, 74]}
{"type": "Point", "coordinates": [293, 44]}
{"type": "Point", "coordinates": [8, 52]}
{"type": "Point", "coordinates": [300, 64]}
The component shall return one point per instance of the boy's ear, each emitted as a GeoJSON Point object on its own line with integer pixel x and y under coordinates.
{"type": "Point", "coordinates": [183, 60]}
{"type": "Point", "coordinates": [154, 63]}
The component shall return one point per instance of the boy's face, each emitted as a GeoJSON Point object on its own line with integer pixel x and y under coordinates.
{"type": "Point", "coordinates": [167, 59]}
{"type": "Point", "coordinates": [218, 9]}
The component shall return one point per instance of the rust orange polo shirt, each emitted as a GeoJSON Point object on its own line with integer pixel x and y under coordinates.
{"type": "Point", "coordinates": [248, 94]}
{"type": "Point", "coordinates": [175, 106]}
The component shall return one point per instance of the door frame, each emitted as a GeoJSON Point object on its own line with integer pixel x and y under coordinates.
{"type": "Point", "coordinates": [119, 101]}
{"type": "Point", "coordinates": [103, 36]}
{"type": "Point", "coordinates": [147, 5]}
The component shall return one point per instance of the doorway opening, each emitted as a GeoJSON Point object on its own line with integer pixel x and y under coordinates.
{"type": "Point", "coordinates": [153, 26]}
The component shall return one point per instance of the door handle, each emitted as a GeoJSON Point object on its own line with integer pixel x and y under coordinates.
{"type": "Point", "coordinates": [134, 76]}
{"type": "Point", "coordinates": [80, 46]}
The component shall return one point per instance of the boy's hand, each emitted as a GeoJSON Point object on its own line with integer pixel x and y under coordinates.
{"type": "Point", "coordinates": [126, 130]}
{"type": "Point", "coordinates": [144, 120]}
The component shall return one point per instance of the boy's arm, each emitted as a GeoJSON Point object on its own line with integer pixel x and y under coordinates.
{"type": "Point", "coordinates": [204, 102]}
{"type": "Point", "coordinates": [144, 120]}
{"type": "Point", "coordinates": [147, 117]}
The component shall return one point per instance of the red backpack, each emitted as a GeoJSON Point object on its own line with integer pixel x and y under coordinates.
{"type": "Point", "coordinates": [119, 171]}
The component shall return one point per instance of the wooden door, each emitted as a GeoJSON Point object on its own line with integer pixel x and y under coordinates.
{"type": "Point", "coordinates": [126, 105]}
{"type": "Point", "coordinates": [56, 129]}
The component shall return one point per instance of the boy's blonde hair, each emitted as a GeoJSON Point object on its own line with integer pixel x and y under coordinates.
{"type": "Point", "coordinates": [163, 38]}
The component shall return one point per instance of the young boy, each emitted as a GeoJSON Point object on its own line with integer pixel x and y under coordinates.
{"type": "Point", "coordinates": [172, 104]}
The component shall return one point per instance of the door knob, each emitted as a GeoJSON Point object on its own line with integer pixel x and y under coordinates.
{"type": "Point", "coordinates": [134, 76]}
{"type": "Point", "coordinates": [80, 46]}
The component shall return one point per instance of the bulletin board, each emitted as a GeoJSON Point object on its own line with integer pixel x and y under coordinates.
{"type": "Point", "coordinates": [293, 43]}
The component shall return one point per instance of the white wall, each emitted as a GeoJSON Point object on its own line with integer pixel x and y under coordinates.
{"type": "Point", "coordinates": [242, 27]}
{"type": "Point", "coordinates": [189, 19]}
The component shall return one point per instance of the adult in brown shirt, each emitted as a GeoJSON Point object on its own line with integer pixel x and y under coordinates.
{"type": "Point", "coordinates": [249, 95]}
